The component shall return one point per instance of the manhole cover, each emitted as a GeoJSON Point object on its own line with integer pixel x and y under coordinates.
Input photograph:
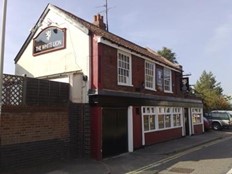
{"type": "Point", "coordinates": [181, 170]}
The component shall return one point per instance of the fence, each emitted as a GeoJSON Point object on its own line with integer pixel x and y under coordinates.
{"type": "Point", "coordinates": [40, 124]}
{"type": "Point", "coordinates": [18, 90]}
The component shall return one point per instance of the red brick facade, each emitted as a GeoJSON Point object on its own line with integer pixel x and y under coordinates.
{"type": "Point", "coordinates": [30, 125]}
{"type": "Point", "coordinates": [30, 135]}
{"type": "Point", "coordinates": [105, 69]}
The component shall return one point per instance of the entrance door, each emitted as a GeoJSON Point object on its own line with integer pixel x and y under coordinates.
{"type": "Point", "coordinates": [186, 119]}
{"type": "Point", "coordinates": [114, 131]}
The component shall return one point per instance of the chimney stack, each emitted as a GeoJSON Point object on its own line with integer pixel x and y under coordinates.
{"type": "Point", "coordinates": [98, 21]}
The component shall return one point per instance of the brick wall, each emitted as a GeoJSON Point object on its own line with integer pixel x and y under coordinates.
{"type": "Point", "coordinates": [33, 134]}
{"type": "Point", "coordinates": [79, 126]}
{"type": "Point", "coordinates": [108, 74]}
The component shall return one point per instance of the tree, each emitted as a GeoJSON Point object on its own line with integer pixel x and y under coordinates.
{"type": "Point", "coordinates": [168, 54]}
{"type": "Point", "coordinates": [211, 92]}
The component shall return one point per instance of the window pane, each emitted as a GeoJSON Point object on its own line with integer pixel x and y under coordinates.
{"type": "Point", "coordinates": [144, 109]}
{"type": "Point", "coordinates": [152, 122]}
{"type": "Point", "coordinates": [167, 120]}
{"type": "Point", "coordinates": [167, 79]}
{"type": "Point", "coordinates": [196, 118]}
{"type": "Point", "coordinates": [178, 121]}
{"type": "Point", "coordinates": [196, 115]}
{"type": "Point", "coordinates": [174, 120]}
{"type": "Point", "coordinates": [146, 122]}
{"type": "Point", "coordinates": [161, 121]}
{"type": "Point", "coordinates": [149, 75]}
{"type": "Point", "coordinates": [159, 79]}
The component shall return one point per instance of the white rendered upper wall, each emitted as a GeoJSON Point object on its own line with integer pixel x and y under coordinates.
{"type": "Point", "coordinates": [75, 57]}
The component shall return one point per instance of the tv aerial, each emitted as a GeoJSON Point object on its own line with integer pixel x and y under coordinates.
{"type": "Point", "coordinates": [106, 13]}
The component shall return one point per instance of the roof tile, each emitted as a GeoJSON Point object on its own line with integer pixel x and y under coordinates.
{"type": "Point", "coordinates": [122, 42]}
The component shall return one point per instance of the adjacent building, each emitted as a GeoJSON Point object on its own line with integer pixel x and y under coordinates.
{"type": "Point", "coordinates": [135, 96]}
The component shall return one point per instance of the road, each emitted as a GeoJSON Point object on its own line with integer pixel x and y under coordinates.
{"type": "Point", "coordinates": [211, 158]}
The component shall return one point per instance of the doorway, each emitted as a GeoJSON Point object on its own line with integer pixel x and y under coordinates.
{"type": "Point", "coordinates": [186, 121]}
{"type": "Point", "coordinates": [114, 131]}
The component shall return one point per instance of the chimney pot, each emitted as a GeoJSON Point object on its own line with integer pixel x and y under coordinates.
{"type": "Point", "coordinates": [99, 21]}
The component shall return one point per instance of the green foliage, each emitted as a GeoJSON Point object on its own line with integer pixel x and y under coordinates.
{"type": "Point", "coordinates": [211, 92]}
{"type": "Point", "coordinates": [168, 54]}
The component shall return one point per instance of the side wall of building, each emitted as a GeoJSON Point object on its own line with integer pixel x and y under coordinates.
{"type": "Point", "coordinates": [75, 56]}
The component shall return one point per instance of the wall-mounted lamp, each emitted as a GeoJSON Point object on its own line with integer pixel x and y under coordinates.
{"type": "Point", "coordinates": [85, 78]}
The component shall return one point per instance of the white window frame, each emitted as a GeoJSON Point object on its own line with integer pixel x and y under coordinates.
{"type": "Point", "coordinates": [165, 111]}
{"type": "Point", "coordinates": [196, 112]}
{"type": "Point", "coordinates": [155, 111]}
{"type": "Point", "coordinates": [151, 113]}
{"type": "Point", "coordinates": [167, 80]}
{"type": "Point", "coordinates": [177, 111]}
{"type": "Point", "coordinates": [150, 74]}
{"type": "Point", "coordinates": [123, 67]}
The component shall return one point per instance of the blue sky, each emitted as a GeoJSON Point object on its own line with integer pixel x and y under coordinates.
{"type": "Point", "coordinates": [198, 31]}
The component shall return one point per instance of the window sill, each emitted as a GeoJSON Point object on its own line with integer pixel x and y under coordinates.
{"type": "Point", "coordinates": [129, 85]}
{"type": "Point", "coordinates": [151, 89]}
{"type": "Point", "coordinates": [156, 130]}
{"type": "Point", "coordinates": [195, 124]}
{"type": "Point", "coordinates": [170, 92]}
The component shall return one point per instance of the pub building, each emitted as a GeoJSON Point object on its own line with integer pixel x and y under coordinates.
{"type": "Point", "coordinates": [135, 97]}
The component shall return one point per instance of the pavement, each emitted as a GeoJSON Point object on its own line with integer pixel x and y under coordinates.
{"type": "Point", "coordinates": [126, 162]}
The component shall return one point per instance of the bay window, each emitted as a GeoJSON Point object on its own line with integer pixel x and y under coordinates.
{"type": "Point", "coordinates": [158, 118]}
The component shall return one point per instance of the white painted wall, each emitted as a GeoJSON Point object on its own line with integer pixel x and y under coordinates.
{"type": "Point", "coordinates": [78, 87]}
{"type": "Point", "coordinates": [74, 58]}
{"type": "Point", "coordinates": [78, 90]}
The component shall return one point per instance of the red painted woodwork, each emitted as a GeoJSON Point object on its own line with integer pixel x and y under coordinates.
{"type": "Point", "coordinates": [137, 128]}
{"type": "Point", "coordinates": [198, 129]}
{"type": "Point", "coordinates": [163, 135]}
{"type": "Point", "coordinates": [96, 132]}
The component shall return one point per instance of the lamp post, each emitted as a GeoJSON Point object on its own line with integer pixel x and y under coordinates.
{"type": "Point", "coordinates": [2, 46]}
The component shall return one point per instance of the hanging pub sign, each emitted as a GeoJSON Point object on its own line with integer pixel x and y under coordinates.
{"type": "Point", "coordinates": [50, 39]}
{"type": "Point", "coordinates": [185, 84]}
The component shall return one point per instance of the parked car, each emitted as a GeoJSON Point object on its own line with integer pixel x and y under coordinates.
{"type": "Point", "coordinates": [207, 124]}
{"type": "Point", "coordinates": [219, 119]}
